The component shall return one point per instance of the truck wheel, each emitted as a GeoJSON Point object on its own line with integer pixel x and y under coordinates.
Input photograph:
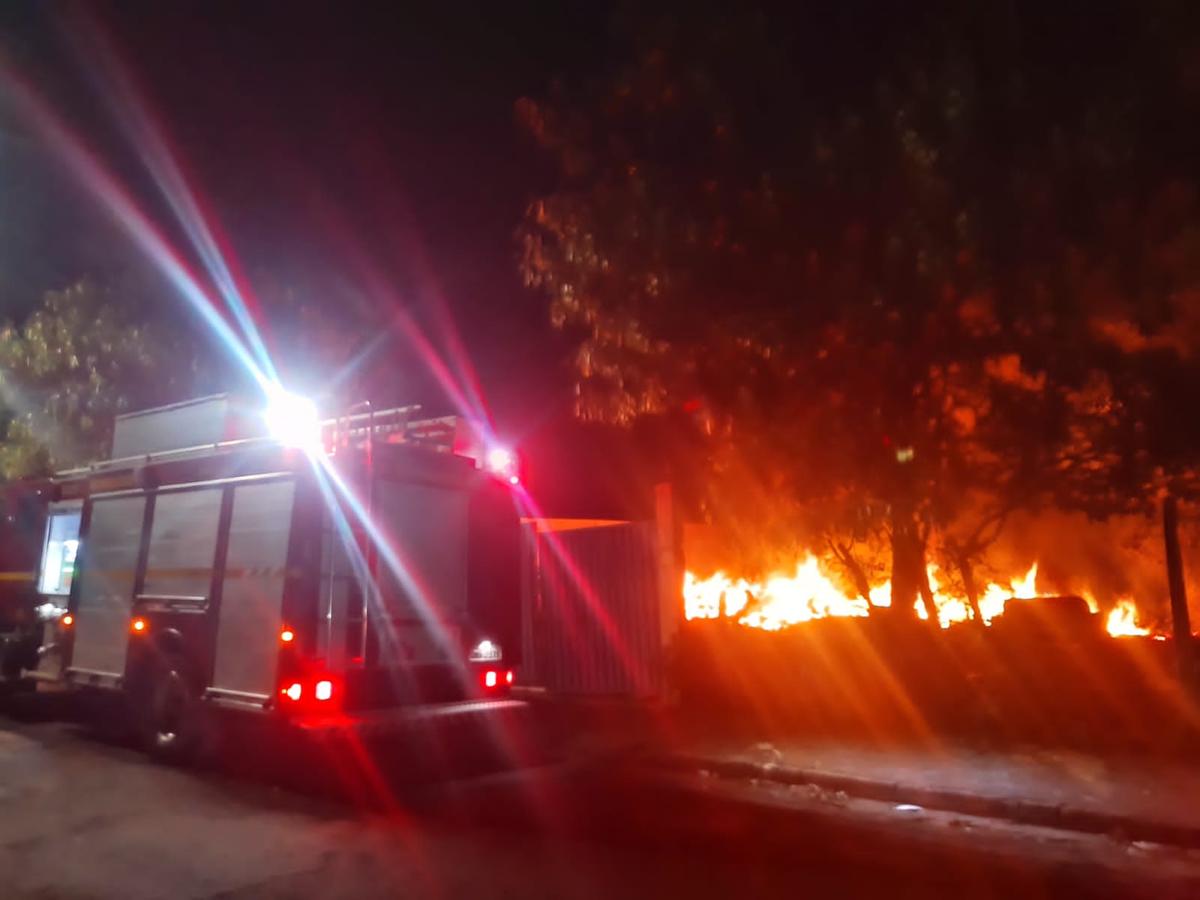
{"type": "Point", "coordinates": [171, 715]}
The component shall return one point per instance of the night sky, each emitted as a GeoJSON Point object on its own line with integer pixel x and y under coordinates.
{"type": "Point", "coordinates": [295, 120]}
{"type": "Point", "coordinates": [319, 135]}
{"type": "Point", "coordinates": [312, 128]}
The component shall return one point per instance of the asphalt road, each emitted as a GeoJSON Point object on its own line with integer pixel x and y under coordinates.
{"type": "Point", "coordinates": [84, 817]}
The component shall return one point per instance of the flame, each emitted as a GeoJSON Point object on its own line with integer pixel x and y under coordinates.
{"type": "Point", "coordinates": [779, 601]}
{"type": "Point", "coordinates": [952, 610]}
{"type": "Point", "coordinates": [782, 600]}
{"type": "Point", "coordinates": [1122, 620]}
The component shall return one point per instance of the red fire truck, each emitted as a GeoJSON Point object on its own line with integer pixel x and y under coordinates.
{"type": "Point", "coordinates": [224, 559]}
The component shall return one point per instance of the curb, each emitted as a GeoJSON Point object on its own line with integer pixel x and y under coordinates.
{"type": "Point", "coordinates": [1026, 812]}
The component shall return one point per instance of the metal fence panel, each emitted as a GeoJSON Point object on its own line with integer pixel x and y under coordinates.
{"type": "Point", "coordinates": [595, 609]}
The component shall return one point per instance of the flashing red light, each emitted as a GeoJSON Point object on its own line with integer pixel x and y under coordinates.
{"type": "Point", "coordinates": [323, 690]}
{"type": "Point", "coordinates": [490, 678]}
{"type": "Point", "coordinates": [287, 635]}
{"type": "Point", "coordinates": [67, 621]}
{"type": "Point", "coordinates": [138, 625]}
{"type": "Point", "coordinates": [508, 677]}
{"type": "Point", "coordinates": [293, 691]}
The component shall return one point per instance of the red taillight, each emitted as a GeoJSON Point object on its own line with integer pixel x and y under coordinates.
{"type": "Point", "coordinates": [490, 678]}
{"type": "Point", "coordinates": [138, 625]}
{"type": "Point", "coordinates": [308, 691]}
{"type": "Point", "coordinates": [508, 677]}
{"type": "Point", "coordinates": [287, 636]}
{"type": "Point", "coordinates": [67, 621]}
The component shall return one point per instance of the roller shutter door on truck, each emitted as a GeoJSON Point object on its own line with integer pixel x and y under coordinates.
{"type": "Point", "coordinates": [247, 652]}
{"type": "Point", "coordinates": [106, 585]}
{"type": "Point", "coordinates": [426, 578]}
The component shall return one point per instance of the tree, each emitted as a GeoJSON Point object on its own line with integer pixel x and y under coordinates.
{"type": "Point", "coordinates": [881, 291]}
{"type": "Point", "coordinates": [794, 274]}
{"type": "Point", "coordinates": [85, 355]}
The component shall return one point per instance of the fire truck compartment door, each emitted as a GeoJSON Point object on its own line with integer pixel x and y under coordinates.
{"type": "Point", "coordinates": [106, 584]}
{"type": "Point", "coordinates": [247, 646]}
{"type": "Point", "coordinates": [426, 581]}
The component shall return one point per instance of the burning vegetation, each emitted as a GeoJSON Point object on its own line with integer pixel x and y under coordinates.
{"type": "Point", "coordinates": [800, 642]}
{"type": "Point", "coordinates": [782, 600]}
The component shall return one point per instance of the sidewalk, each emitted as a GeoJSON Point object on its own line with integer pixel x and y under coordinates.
{"type": "Point", "coordinates": [1136, 798]}
{"type": "Point", "coordinates": [1139, 800]}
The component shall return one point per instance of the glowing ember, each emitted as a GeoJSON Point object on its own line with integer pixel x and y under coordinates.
{"type": "Point", "coordinates": [782, 600]}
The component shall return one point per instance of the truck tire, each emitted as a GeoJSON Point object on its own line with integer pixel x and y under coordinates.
{"type": "Point", "coordinates": [170, 713]}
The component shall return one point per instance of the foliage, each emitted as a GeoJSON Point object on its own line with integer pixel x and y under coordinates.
{"type": "Point", "coordinates": [82, 357]}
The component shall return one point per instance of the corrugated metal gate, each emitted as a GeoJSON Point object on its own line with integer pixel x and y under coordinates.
{"type": "Point", "coordinates": [594, 609]}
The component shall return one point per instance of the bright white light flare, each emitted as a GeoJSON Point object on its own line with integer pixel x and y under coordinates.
{"type": "Point", "coordinates": [292, 420]}
{"type": "Point", "coordinates": [502, 463]}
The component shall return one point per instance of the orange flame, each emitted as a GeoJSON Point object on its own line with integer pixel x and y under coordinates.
{"type": "Point", "coordinates": [783, 600]}
{"type": "Point", "coordinates": [1122, 620]}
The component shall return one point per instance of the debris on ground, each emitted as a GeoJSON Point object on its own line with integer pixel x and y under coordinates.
{"type": "Point", "coordinates": [766, 754]}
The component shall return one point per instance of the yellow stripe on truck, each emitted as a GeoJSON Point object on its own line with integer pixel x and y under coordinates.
{"type": "Point", "coordinates": [234, 572]}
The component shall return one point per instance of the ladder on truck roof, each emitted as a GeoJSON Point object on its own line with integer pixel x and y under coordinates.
{"type": "Point", "coordinates": [356, 430]}
{"type": "Point", "coordinates": [398, 425]}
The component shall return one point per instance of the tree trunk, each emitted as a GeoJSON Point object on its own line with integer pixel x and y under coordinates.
{"type": "Point", "coordinates": [846, 557]}
{"type": "Point", "coordinates": [861, 582]}
{"type": "Point", "coordinates": [927, 600]}
{"type": "Point", "coordinates": [968, 579]}
{"type": "Point", "coordinates": [907, 564]}
{"type": "Point", "coordinates": [1180, 620]}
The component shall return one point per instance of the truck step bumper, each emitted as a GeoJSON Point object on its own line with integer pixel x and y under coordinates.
{"type": "Point", "coordinates": [406, 720]}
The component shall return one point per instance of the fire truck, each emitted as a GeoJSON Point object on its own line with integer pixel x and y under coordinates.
{"type": "Point", "coordinates": [266, 562]}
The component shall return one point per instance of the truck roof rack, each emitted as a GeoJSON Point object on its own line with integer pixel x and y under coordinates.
{"type": "Point", "coordinates": [396, 425]}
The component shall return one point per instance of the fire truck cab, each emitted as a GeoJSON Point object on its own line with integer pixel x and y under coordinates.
{"type": "Point", "coordinates": [22, 523]}
{"type": "Point", "coordinates": [210, 566]}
